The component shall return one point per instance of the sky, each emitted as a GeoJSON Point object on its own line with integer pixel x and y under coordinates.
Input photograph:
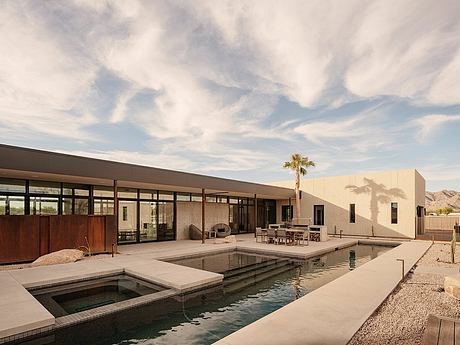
{"type": "Point", "coordinates": [233, 88]}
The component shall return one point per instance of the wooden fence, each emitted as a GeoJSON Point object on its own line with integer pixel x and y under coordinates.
{"type": "Point", "coordinates": [438, 223]}
{"type": "Point", "coordinates": [25, 238]}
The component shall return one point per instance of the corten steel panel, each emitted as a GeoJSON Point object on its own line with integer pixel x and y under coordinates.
{"type": "Point", "coordinates": [96, 233]}
{"type": "Point", "coordinates": [23, 159]}
{"type": "Point", "coordinates": [44, 235]}
{"type": "Point", "coordinates": [19, 238]}
{"type": "Point", "coordinates": [110, 233]}
{"type": "Point", "coordinates": [68, 232]}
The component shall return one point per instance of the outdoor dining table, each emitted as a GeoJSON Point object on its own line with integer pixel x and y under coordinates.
{"type": "Point", "coordinates": [291, 231]}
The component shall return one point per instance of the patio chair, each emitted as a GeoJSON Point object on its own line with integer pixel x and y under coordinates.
{"type": "Point", "coordinates": [301, 236]}
{"type": "Point", "coordinates": [222, 230]}
{"type": "Point", "coordinates": [195, 232]}
{"type": "Point", "coordinates": [260, 233]}
{"type": "Point", "coordinates": [281, 235]}
{"type": "Point", "coordinates": [271, 235]}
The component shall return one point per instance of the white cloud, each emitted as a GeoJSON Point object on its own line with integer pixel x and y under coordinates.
{"type": "Point", "coordinates": [446, 88]}
{"type": "Point", "coordinates": [40, 83]}
{"type": "Point", "coordinates": [429, 125]}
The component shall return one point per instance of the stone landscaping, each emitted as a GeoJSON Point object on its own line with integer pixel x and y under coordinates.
{"type": "Point", "coordinates": [401, 319]}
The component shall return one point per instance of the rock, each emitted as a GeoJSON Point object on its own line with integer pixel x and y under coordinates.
{"type": "Point", "coordinates": [60, 257]}
{"type": "Point", "coordinates": [452, 285]}
{"type": "Point", "coordinates": [230, 239]}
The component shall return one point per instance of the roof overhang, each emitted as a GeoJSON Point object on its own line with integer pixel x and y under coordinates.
{"type": "Point", "coordinates": [28, 163]}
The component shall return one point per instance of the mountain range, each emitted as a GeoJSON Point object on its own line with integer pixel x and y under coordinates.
{"type": "Point", "coordinates": [444, 198]}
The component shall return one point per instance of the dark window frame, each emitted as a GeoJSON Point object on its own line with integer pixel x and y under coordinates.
{"type": "Point", "coordinates": [352, 213]}
{"type": "Point", "coordinates": [394, 213]}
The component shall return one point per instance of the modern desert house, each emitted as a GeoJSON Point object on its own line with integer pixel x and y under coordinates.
{"type": "Point", "coordinates": [50, 201]}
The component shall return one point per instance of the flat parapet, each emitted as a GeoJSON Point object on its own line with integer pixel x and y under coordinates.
{"type": "Point", "coordinates": [20, 312]}
{"type": "Point", "coordinates": [334, 313]}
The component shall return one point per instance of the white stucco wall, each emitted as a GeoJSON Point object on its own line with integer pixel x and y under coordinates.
{"type": "Point", "coordinates": [190, 213]}
{"type": "Point", "coordinates": [372, 194]}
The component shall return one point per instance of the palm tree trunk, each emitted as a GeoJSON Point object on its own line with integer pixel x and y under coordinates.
{"type": "Point", "coordinates": [297, 195]}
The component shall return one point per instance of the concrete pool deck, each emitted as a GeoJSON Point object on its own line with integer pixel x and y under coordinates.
{"type": "Point", "coordinates": [333, 313]}
{"type": "Point", "coordinates": [141, 260]}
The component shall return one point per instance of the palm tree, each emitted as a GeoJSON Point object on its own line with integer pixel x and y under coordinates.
{"type": "Point", "coordinates": [299, 164]}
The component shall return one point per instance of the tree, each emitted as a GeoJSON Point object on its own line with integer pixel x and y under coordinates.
{"type": "Point", "coordinates": [299, 164]}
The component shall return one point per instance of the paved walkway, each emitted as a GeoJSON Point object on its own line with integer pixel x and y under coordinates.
{"type": "Point", "coordinates": [332, 314]}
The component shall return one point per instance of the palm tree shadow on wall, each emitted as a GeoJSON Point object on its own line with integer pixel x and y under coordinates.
{"type": "Point", "coordinates": [379, 193]}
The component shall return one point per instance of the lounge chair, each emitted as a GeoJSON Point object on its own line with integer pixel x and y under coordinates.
{"type": "Point", "coordinates": [222, 230]}
{"type": "Point", "coordinates": [195, 232]}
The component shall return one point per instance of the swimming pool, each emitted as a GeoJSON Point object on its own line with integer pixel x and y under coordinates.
{"type": "Point", "coordinates": [207, 316]}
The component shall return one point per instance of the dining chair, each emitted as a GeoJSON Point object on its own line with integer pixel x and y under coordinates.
{"type": "Point", "coordinates": [302, 236]}
{"type": "Point", "coordinates": [260, 233]}
{"type": "Point", "coordinates": [281, 235]}
{"type": "Point", "coordinates": [271, 235]}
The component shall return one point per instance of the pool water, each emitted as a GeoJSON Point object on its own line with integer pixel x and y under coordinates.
{"type": "Point", "coordinates": [223, 262]}
{"type": "Point", "coordinates": [207, 316]}
{"type": "Point", "coordinates": [73, 298]}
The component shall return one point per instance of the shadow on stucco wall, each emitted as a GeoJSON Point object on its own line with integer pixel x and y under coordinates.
{"type": "Point", "coordinates": [379, 193]}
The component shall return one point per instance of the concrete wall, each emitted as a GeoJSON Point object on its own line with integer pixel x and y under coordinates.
{"type": "Point", "coordinates": [441, 222]}
{"type": "Point", "coordinates": [190, 213]}
{"type": "Point", "coordinates": [372, 194]}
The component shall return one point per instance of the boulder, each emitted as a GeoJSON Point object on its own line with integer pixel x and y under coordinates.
{"type": "Point", "coordinates": [452, 286]}
{"type": "Point", "coordinates": [60, 257]}
{"type": "Point", "coordinates": [230, 239]}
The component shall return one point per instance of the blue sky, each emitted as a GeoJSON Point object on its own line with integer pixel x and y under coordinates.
{"type": "Point", "coordinates": [232, 88]}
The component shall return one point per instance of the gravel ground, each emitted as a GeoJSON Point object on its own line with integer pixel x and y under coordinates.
{"type": "Point", "coordinates": [401, 318]}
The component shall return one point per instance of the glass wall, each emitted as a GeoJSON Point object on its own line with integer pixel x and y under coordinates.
{"type": "Point", "coordinates": [144, 215]}
{"type": "Point", "coordinates": [148, 221]}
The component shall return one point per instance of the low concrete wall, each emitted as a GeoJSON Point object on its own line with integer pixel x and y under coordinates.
{"type": "Point", "coordinates": [190, 213]}
{"type": "Point", "coordinates": [441, 222]}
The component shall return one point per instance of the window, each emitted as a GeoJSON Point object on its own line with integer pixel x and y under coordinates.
{"type": "Point", "coordinates": [210, 198]}
{"type": "Point", "coordinates": [103, 207]}
{"type": "Point", "coordinates": [148, 194]}
{"type": "Point", "coordinates": [11, 205]}
{"type": "Point", "coordinates": [352, 213]}
{"type": "Point", "coordinates": [104, 192]}
{"type": "Point", "coordinates": [183, 196]}
{"type": "Point", "coordinates": [318, 211]}
{"type": "Point", "coordinates": [286, 213]}
{"type": "Point", "coordinates": [127, 193]}
{"type": "Point", "coordinates": [12, 186]}
{"type": "Point", "coordinates": [43, 187]}
{"type": "Point", "coordinates": [80, 206]}
{"type": "Point", "coordinates": [67, 206]}
{"type": "Point", "coordinates": [43, 205]}
{"type": "Point", "coordinates": [125, 213]}
{"type": "Point", "coordinates": [222, 199]}
{"type": "Point", "coordinates": [75, 189]}
{"type": "Point", "coordinates": [394, 213]}
{"type": "Point", "coordinates": [166, 196]}
{"type": "Point", "coordinates": [197, 197]}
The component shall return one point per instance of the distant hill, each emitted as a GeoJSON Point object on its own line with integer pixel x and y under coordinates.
{"type": "Point", "coordinates": [444, 198]}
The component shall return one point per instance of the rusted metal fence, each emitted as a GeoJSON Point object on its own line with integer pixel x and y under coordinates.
{"type": "Point", "coordinates": [25, 238]}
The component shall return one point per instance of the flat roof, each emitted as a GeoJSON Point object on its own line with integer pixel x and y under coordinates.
{"type": "Point", "coordinates": [29, 163]}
